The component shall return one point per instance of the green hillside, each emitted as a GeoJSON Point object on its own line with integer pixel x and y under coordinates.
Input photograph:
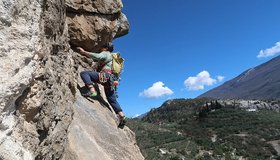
{"type": "Point", "coordinates": [183, 129]}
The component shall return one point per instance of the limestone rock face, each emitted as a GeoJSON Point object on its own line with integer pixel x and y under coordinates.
{"type": "Point", "coordinates": [19, 48]}
{"type": "Point", "coordinates": [42, 115]}
{"type": "Point", "coordinates": [93, 23]}
{"type": "Point", "coordinates": [95, 6]}
{"type": "Point", "coordinates": [19, 44]}
{"type": "Point", "coordinates": [37, 76]}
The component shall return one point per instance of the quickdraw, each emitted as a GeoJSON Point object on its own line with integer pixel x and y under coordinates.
{"type": "Point", "coordinates": [113, 87]}
{"type": "Point", "coordinates": [102, 77]}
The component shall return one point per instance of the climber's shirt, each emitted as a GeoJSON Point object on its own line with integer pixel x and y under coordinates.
{"type": "Point", "coordinates": [104, 59]}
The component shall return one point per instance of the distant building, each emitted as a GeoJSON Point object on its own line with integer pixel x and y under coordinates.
{"type": "Point", "coordinates": [251, 110]}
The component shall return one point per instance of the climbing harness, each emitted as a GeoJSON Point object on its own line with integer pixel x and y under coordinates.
{"type": "Point", "coordinates": [113, 80]}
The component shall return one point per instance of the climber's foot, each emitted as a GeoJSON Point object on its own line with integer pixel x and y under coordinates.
{"type": "Point", "coordinates": [90, 94]}
{"type": "Point", "coordinates": [122, 122]}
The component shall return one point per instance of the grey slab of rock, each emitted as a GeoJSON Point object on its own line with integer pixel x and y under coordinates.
{"type": "Point", "coordinates": [93, 134]}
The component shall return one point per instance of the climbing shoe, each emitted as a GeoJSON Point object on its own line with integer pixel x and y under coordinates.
{"type": "Point", "coordinates": [122, 122]}
{"type": "Point", "coordinates": [90, 94]}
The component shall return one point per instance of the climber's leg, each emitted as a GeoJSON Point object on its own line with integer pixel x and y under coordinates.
{"type": "Point", "coordinates": [89, 78]}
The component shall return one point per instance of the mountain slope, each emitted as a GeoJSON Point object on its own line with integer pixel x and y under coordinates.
{"type": "Point", "coordinates": [196, 129]}
{"type": "Point", "coordinates": [261, 82]}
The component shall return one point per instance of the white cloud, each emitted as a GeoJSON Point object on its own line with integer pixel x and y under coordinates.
{"type": "Point", "coordinates": [157, 90]}
{"type": "Point", "coordinates": [201, 80]}
{"type": "Point", "coordinates": [270, 51]}
{"type": "Point", "coordinates": [135, 116]}
{"type": "Point", "coordinates": [220, 78]}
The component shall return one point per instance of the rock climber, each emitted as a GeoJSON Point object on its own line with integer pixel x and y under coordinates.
{"type": "Point", "coordinates": [103, 75]}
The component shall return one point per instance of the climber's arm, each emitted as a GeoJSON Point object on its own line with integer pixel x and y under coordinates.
{"type": "Point", "coordinates": [95, 56]}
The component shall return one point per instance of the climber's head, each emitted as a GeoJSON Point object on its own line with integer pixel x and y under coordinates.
{"type": "Point", "coordinates": [108, 47]}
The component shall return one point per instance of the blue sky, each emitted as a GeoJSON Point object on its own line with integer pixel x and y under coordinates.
{"type": "Point", "coordinates": [182, 48]}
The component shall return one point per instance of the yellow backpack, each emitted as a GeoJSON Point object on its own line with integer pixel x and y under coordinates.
{"type": "Point", "coordinates": [117, 64]}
